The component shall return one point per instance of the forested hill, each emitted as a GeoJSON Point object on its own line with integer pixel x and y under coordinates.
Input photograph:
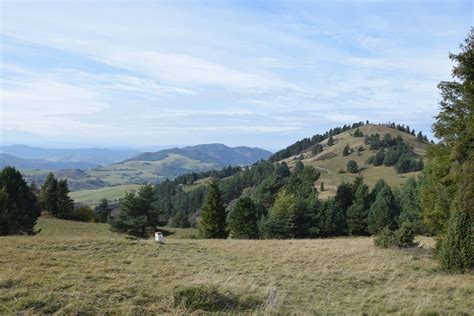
{"type": "Point", "coordinates": [217, 154]}
{"type": "Point", "coordinates": [390, 152]}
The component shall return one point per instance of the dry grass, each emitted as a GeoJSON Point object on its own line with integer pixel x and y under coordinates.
{"type": "Point", "coordinates": [77, 267]}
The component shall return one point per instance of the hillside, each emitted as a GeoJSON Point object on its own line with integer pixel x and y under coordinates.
{"type": "Point", "coordinates": [219, 155]}
{"type": "Point", "coordinates": [156, 167]}
{"type": "Point", "coordinates": [83, 268]}
{"type": "Point", "coordinates": [331, 160]}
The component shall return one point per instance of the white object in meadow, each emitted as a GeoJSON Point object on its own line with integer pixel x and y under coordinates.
{"type": "Point", "coordinates": [159, 237]}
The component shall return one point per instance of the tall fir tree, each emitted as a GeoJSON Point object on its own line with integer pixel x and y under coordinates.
{"type": "Point", "coordinates": [357, 213]}
{"type": "Point", "coordinates": [243, 220]}
{"type": "Point", "coordinates": [383, 211]}
{"type": "Point", "coordinates": [49, 195]}
{"type": "Point", "coordinates": [65, 205]}
{"type": "Point", "coordinates": [102, 211]}
{"type": "Point", "coordinates": [213, 215]}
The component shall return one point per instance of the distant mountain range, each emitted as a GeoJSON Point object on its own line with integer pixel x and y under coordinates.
{"type": "Point", "coordinates": [151, 167]}
{"type": "Point", "coordinates": [79, 158]}
{"type": "Point", "coordinates": [21, 163]}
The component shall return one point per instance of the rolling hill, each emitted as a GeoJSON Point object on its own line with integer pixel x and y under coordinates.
{"type": "Point", "coordinates": [154, 167]}
{"type": "Point", "coordinates": [332, 164]}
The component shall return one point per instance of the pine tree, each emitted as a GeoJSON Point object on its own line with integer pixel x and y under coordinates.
{"type": "Point", "coordinates": [383, 212]}
{"type": "Point", "coordinates": [102, 211]}
{"type": "Point", "coordinates": [357, 213]}
{"type": "Point", "coordinates": [346, 151]}
{"type": "Point", "coordinates": [330, 141]}
{"type": "Point", "coordinates": [243, 220]}
{"type": "Point", "coordinates": [49, 195]}
{"type": "Point", "coordinates": [352, 166]}
{"type": "Point", "coordinates": [19, 209]}
{"type": "Point", "coordinates": [213, 215]}
{"type": "Point", "coordinates": [139, 213]}
{"type": "Point", "coordinates": [65, 205]}
{"type": "Point", "coordinates": [409, 200]}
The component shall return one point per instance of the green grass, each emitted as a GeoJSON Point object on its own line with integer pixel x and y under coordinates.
{"type": "Point", "coordinates": [72, 268]}
{"type": "Point", "coordinates": [93, 197]}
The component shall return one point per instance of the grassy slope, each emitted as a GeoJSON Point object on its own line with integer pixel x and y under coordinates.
{"type": "Point", "coordinates": [93, 197]}
{"type": "Point", "coordinates": [78, 267]}
{"type": "Point", "coordinates": [329, 167]}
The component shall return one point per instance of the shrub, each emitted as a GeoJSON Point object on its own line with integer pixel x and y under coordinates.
{"type": "Point", "coordinates": [352, 166]}
{"type": "Point", "coordinates": [209, 299]}
{"type": "Point", "coordinates": [386, 238]}
{"type": "Point", "coordinates": [401, 238]}
{"type": "Point", "coordinates": [405, 235]}
{"type": "Point", "coordinates": [83, 214]}
{"type": "Point", "coordinates": [456, 247]}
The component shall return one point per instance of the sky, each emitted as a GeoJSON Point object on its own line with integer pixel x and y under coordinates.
{"type": "Point", "coordinates": [255, 73]}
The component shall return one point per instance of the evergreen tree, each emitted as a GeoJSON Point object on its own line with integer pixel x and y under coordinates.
{"type": "Point", "coordinates": [352, 166]}
{"type": "Point", "coordinates": [333, 221]}
{"type": "Point", "coordinates": [383, 212]}
{"type": "Point", "coordinates": [243, 220]}
{"type": "Point", "coordinates": [357, 213]}
{"type": "Point", "coordinates": [213, 215]}
{"type": "Point", "coordinates": [65, 205]}
{"type": "Point", "coordinates": [49, 195]}
{"type": "Point", "coordinates": [102, 211]}
{"type": "Point", "coordinates": [138, 213]}
{"type": "Point", "coordinates": [19, 209]}
{"type": "Point", "coordinates": [330, 141]}
{"type": "Point", "coordinates": [346, 151]}
{"type": "Point", "coordinates": [409, 201]}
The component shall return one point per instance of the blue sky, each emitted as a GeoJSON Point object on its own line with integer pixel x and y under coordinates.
{"type": "Point", "coordinates": [257, 73]}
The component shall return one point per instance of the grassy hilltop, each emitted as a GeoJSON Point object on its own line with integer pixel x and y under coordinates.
{"type": "Point", "coordinates": [75, 267]}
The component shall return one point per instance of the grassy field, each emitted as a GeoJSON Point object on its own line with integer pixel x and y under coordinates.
{"type": "Point", "coordinates": [84, 268]}
{"type": "Point", "coordinates": [334, 162]}
{"type": "Point", "coordinates": [93, 197]}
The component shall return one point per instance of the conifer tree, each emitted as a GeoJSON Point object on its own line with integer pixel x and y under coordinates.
{"type": "Point", "coordinates": [19, 209]}
{"type": "Point", "coordinates": [102, 211]}
{"type": "Point", "coordinates": [330, 141]}
{"type": "Point", "coordinates": [49, 195]}
{"type": "Point", "coordinates": [65, 205]}
{"type": "Point", "coordinates": [357, 213]}
{"type": "Point", "coordinates": [138, 214]}
{"type": "Point", "coordinates": [213, 215]}
{"type": "Point", "coordinates": [243, 220]}
{"type": "Point", "coordinates": [383, 212]}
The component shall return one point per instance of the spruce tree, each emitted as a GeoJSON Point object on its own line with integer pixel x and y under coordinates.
{"type": "Point", "coordinates": [383, 212]}
{"type": "Point", "coordinates": [357, 213]}
{"type": "Point", "coordinates": [138, 214]}
{"type": "Point", "coordinates": [102, 211]}
{"type": "Point", "coordinates": [352, 166]}
{"type": "Point", "coordinates": [330, 141]}
{"type": "Point", "coordinates": [19, 209]}
{"type": "Point", "coordinates": [243, 220]}
{"type": "Point", "coordinates": [65, 205]}
{"type": "Point", "coordinates": [213, 216]}
{"type": "Point", "coordinates": [49, 195]}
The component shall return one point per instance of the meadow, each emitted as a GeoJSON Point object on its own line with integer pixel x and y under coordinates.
{"type": "Point", "coordinates": [72, 267]}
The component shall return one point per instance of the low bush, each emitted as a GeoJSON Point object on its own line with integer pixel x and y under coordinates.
{"type": "Point", "coordinates": [402, 237]}
{"type": "Point", "coordinates": [209, 299]}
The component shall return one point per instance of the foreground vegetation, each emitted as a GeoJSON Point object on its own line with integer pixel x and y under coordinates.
{"type": "Point", "coordinates": [72, 267]}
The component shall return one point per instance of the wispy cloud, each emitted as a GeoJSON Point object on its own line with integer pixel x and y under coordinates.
{"type": "Point", "coordinates": [234, 72]}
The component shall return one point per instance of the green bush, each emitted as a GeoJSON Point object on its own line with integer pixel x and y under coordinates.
{"type": "Point", "coordinates": [456, 247]}
{"type": "Point", "coordinates": [405, 235]}
{"type": "Point", "coordinates": [386, 238]}
{"type": "Point", "coordinates": [209, 299]}
{"type": "Point", "coordinates": [401, 238]}
{"type": "Point", "coordinates": [83, 214]}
